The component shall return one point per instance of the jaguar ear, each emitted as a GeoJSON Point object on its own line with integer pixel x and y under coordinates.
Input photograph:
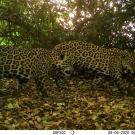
{"type": "Point", "coordinates": [125, 54]}
{"type": "Point", "coordinates": [62, 56]}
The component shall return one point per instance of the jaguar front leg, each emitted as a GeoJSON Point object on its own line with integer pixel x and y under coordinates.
{"type": "Point", "coordinates": [43, 85]}
{"type": "Point", "coordinates": [59, 77]}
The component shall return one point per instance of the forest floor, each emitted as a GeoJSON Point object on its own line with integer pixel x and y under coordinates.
{"type": "Point", "coordinates": [83, 106]}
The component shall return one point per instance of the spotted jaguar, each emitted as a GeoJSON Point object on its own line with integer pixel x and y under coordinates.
{"type": "Point", "coordinates": [25, 64]}
{"type": "Point", "coordinates": [106, 61]}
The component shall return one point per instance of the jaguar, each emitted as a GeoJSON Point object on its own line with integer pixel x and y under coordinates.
{"type": "Point", "coordinates": [25, 64]}
{"type": "Point", "coordinates": [73, 55]}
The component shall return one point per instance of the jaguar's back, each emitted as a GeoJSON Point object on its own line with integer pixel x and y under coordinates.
{"type": "Point", "coordinates": [109, 61]}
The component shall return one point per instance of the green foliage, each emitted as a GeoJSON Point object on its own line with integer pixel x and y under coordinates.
{"type": "Point", "coordinates": [109, 24]}
{"type": "Point", "coordinates": [45, 23]}
{"type": "Point", "coordinates": [25, 23]}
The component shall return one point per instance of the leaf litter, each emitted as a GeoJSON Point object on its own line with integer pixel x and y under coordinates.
{"type": "Point", "coordinates": [82, 107]}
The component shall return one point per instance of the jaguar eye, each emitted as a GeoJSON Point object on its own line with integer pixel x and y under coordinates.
{"type": "Point", "coordinates": [62, 56]}
{"type": "Point", "coordinates": [68, 72]}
